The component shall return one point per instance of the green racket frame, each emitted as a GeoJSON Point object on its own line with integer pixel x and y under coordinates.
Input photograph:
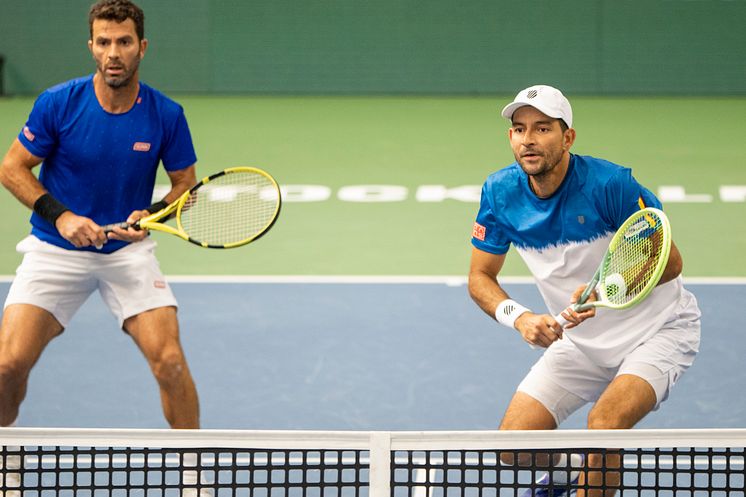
{"type": "Point", "coordinates": [651, 217]}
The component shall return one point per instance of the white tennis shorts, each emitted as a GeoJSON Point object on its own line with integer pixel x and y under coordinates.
{"type": "Point", "coordinates": [564, 379]}
{"type": "Point", "coordinates": [59, 280]}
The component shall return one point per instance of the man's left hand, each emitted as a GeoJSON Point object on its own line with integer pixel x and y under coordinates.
{"type": "Point", "coordinates": [131, 234]}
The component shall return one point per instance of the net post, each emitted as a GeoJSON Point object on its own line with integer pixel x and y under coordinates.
{"type": "Point", "coordinates": [380, 464]}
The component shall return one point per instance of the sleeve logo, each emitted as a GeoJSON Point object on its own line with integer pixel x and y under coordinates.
{"type": "Point", "coordinates": [141, 147]}
{"type": "Point", "coordinates": [479, 231]}
{"type": "Point", "coordinates": [28, 134]}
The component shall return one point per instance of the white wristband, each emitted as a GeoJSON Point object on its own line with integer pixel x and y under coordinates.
{"type": "Point", "coordinates": [508, 311]}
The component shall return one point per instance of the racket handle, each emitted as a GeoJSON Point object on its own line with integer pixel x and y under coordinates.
{"type": "Point", "coordinates": [561, 319]}
{"type": "Point", "coordinates": [110, 227]}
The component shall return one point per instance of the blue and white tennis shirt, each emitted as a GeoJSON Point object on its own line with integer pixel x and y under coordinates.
{"type": "Point", "coordinates": [563, 239]}
{"type": "Point", "coordinates": [102, 165]}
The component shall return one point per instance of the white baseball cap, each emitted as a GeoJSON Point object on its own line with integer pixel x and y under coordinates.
{"type": "Point", "coordinates": [545, 98]}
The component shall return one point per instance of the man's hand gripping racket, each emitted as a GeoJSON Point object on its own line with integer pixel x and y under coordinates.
{"type": "Point", "coordinates": [632, 266]}
{"type": "Point", "coordinates": [227, 209]}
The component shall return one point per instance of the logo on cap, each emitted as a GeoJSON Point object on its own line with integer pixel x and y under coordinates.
{"type": "Point", "coordinates": [532, 94]}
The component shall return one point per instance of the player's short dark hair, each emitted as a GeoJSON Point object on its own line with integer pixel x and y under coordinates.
{"type": "Point", "coordinates": [119, 11]}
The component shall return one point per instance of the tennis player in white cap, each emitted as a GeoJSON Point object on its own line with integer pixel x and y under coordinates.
{"type": "Point", "coordinates": [559, 211]}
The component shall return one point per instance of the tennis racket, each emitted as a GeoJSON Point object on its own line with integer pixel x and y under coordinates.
{"type": "Point", "coordinates": [633, 263]}
{"type": "Point", "coordinates": [228, 209]}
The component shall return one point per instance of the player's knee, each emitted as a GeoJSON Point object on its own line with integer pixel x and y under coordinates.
{"type": "Point", "coordinates": [12, 375]}
{"type": "Point", "coordinates": [13, 379]}
{"type": "Point", "coordinates": [170, 368]}
{"type": "Point", "coordinates": [605, 419]}
{"type": "Point", "coordinates": [521, 459]}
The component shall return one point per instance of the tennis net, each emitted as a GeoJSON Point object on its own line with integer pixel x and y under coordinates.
{"type": "Point", "coordinates": [96, 462]}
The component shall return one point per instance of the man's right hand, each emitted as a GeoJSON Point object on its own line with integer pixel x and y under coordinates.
{"type": "Point", "coordinates": [80, 231]}
{"type": "Point", "coordinates": [540, 330]}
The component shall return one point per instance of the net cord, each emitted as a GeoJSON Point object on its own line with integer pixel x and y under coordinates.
{"type": "Point", "coordinates": [364, 440]}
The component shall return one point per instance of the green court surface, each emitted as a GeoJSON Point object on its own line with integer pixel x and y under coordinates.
{"type": "Point", "coordinates": [330, 145]}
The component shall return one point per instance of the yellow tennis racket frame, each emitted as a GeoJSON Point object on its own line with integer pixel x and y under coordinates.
{"type": "Point", "coordinates": [153, 221]}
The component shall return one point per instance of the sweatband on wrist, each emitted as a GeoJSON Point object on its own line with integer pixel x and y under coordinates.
{"type": "Point", "coordinates": [508, 311]}
{"type": "Point", "coordinates": [49, 208]}
{"type": "Point", "coordinates": [153, 208]}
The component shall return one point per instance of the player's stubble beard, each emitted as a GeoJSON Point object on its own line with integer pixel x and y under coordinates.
{"type": "Point", "coordinates": [122, 80]}
{"type": "Point", "coordinates": [550, 159]}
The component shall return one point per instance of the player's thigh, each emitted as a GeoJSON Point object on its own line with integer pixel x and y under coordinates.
{"type": "Point", "coordinates": [156, 332]}
{"type": "Point", "coordinates": [132, 283]}
{"type": "Point", "coordinates": [526, 413]}
{"type": "Point", "coordinates": [25, 331]}
{"type": "Point", "coordinates": [563, 380]}
{"type": "Point", "coordinates": [626, 400]}
{"type": "Point", "coordinates": [667, 355]}
{"type": "Point", "coordinates": [51, 278]}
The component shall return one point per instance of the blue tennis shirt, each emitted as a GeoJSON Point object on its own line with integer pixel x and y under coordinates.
{"type": "Point", "coordinates": [102, 165]}
{"type": "Point", "coordinates": [594, 199]}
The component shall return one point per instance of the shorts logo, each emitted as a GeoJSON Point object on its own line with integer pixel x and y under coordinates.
{"type": "Point", "coordinates": [159, 284]}
{"type": "Point", "coordinates": [141, 147]}
{"type": "Point", "coordinates": [28, 134]}
{"type": "Point", "coordinates": [479, 231]}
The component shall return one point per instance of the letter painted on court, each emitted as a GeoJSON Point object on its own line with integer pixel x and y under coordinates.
{"type": "Point", "coordinates": [464, 193]}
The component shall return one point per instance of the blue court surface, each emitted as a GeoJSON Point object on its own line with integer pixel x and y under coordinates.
{"type": "Point", "coordinates": [348, 356]}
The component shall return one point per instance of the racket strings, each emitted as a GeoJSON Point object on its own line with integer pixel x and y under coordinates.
{"type": "Point", "coordinates": [230, 209]}
{"type": "Point", "coordinates": [634, 262]}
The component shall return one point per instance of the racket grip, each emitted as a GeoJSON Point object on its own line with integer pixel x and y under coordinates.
{"type": "Point", "coordinates": [561, 319]}
{"type": "Point", "coordinates": [108, 228]}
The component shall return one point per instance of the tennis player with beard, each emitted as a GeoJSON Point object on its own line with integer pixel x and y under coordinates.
{"type": "Point", "coordinates": [560, 210]}
{"type": "Point", "coordinates": [99, 140]}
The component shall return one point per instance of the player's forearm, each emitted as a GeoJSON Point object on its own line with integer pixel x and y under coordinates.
{"type": "Point", "coordinates": [181, 181]}
{"type": "Point", "coordinates": [485, 291]}
{"type": "Point", "coordinates": [674, 267]}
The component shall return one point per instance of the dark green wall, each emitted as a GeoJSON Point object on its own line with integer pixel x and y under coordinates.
{"type": "Point", "coordinates": [399, 46]}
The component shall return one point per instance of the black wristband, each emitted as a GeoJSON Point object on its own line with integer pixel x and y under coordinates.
{"type": "Point", "coordinates": [49, 208]}
{"type": "Point", "coordinates": [153, 208]}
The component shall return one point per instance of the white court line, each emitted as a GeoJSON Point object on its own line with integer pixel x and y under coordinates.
{"type": "Point", "coordinates": [386, 280]}
{"type": "Point", "coordinates": [344, 279]}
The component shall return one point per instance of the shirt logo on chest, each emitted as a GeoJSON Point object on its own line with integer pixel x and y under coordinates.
{"type": "Point", "coordinates": [141, 147]}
